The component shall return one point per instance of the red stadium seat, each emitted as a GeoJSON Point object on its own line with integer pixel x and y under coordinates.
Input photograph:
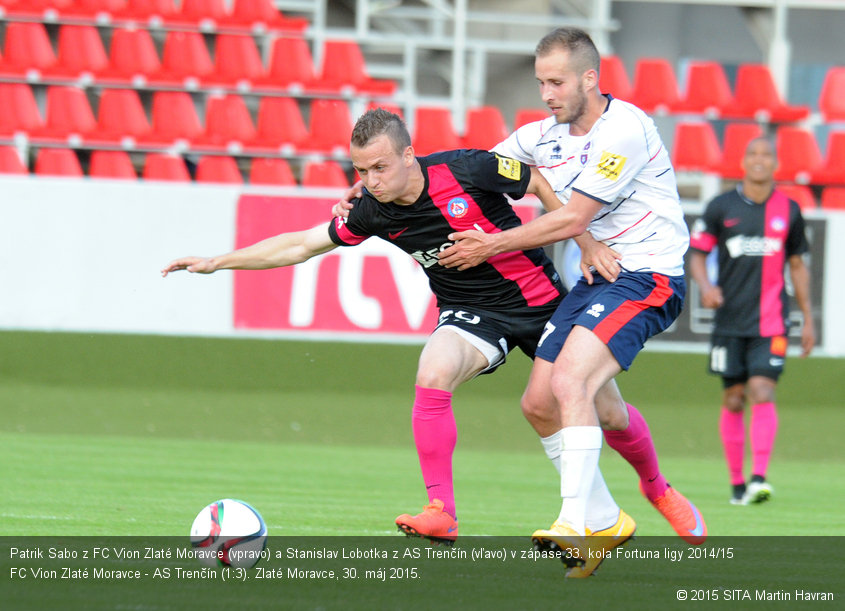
{"type": "Point", "coordinates": [152, 12]}
{"type": "Point", "coordinates": [81, 52]}
{"type": "Point", "coordinates": [832, 95]}
{"type": "Point", "coordinates": [329, 127]}
{"type": "Point", "coordinates": [175, 119]}
{"type": "Point", "coordinates": [222, 169]}
{"type": "Point", "coordinates": [798, 155]}
{"type": "Point", "coordinates": [291, 67]}
{"type": "Point", "coordinates": [655, 88]}
{"type": "Point", "coordinates": [735, 141]}
{"type": "Point", "coordinates": [344, 67]}
{"type": "Point", "coordinates": [800, 194]}
{"type": "Point", "coordinates": [394, 108]}
{"type": "Point", "coordinates": [227, 123]}
{"type": "Point", "coordinates": [111, 164]}
{"type": "Point", "coordinates": [280, 125]}
{"type": "Point", "coordinates": [57, 162]}
{"type": "Point", "coordinates": [434, 131]}
{"type": "Point", "coordinates": [707, 90]}
{"type": "Point", "coordinates": [833, 198]}
{"type": "Point", "coordinates": [756, 97]}
{"type": "Point", "coordinates": [94, 9]}
{"type": "Point", "coordinates": [271, 171]}
{"type": "Point", "coordinates": [696, 148]}
{"type": "Point", "coordinates": [202, 14]}
{"type": "Point", "coordinates": [524, 116]}
{"type": "Point", "coordinates": [20, 111]}
{"type": "Point", "coordinates": [324, 174]}
{"type": "Point", "coordinates": [236, 62]}
{"type": "Point", "coordinates": [68, 114]}
{"type": "Point", "coordinates": [485, 128]}
{"type": "Point", "coordinates": [260, 16]}
{"type": "Point", "coordinates": [185, 60]}
{"type": "Point", "coordinates": [132, 57]}
{"type": "Point", "coordinates": [167, 167]}
{"type": "Point", "coordinates": [832, 171]}
{"type": "Point", "coordinates": [10, 161]}
{"type": "Point", "coordinates": [613, 78]}
{"type": "Point", "coordinates": [27, 50]}
{"type": "Point", "coordinates": [121, 118]}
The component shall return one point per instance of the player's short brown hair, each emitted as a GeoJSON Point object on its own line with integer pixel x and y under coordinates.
{"type": "Point", "coordinates": [377, 122]}
{"type": "Point", "coordinates": [582, 50]}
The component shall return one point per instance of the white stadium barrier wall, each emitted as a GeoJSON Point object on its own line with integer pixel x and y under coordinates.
{"type": "Point", "coordinates": [85, 255]}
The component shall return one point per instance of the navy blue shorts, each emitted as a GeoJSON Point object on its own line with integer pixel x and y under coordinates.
{"type": "Point", "coordinates": [623, 314]}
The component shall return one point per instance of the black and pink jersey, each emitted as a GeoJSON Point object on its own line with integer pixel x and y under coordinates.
{"type": "Point", "coordinates": [464, 189]}
{"type": "Point", "coordinates": [755, 241]}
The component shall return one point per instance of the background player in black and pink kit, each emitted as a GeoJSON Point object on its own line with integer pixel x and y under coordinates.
{"type": "Point", "coordinates": [757, 230]}
{"type": "Point", "coordinates": [415, 203]}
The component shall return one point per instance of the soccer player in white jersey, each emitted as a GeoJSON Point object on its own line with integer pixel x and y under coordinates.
{"type": "Point", "coordinates": [607, 163]}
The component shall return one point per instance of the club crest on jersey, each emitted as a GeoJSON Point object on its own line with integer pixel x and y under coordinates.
{"type": "Point", "coordinates": [509, 168]}
{"type": "Point", "coordinates": [778, 224]}
{"type": "Point", "coordinates": [584, 155]}
{"type": "Point", "coordinates": [610, 165]}
{"type": "Point", "coordinates": [457, 207]}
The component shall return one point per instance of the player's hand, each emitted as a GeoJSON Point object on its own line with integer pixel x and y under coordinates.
{"type": "Point", "coordinates": [601, 258]}
{"type": "Point", "coordinates": [712, 297]}
{"type": "Point", "coordinates": [469, 249]}
{"type": "Point", "coordinates": [343, 207]}
{"type": "Point", "coordinates": [808, 338]}
{"type": "Point", "coordinates": [195, 265]}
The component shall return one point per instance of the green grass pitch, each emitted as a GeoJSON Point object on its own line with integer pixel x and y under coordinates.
{"type": "Point", "coordinates": [132, 436]}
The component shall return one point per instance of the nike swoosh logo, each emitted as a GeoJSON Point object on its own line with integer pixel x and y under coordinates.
{"type": "Point", "coordinates": [432, 486]}
{"type": "Point", "coordinates": [699, 524]}
{"type": "Point", "coordinates": [732, 222]}
{"type": "Point", "coordinates": [451, 529]}
{"type": "Point", "coordinates": [393, 236]}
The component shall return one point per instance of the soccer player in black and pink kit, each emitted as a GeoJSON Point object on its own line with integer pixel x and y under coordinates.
{"type": "Point", "coordinates": [414, 203]}
{"type": "Point", "coordinates": [758, 231]}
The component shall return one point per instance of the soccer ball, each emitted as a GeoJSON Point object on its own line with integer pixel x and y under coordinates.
{"type": "Point", "coordinates": [229, 533]}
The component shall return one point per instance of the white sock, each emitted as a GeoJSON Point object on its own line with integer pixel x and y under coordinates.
{"type": "Point", "coordinates": [579, 459]}
{"type": "Point", "coordinates": [551, 445]}
{"type": "Point", "coordinates": [602, 510]}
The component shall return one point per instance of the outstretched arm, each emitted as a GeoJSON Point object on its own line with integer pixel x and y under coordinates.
{"type": "Point", "coordinates": [604, 259]}
{"type": "Point", "coordinates": [474, 247]}
{"type": "Point", "coordinates": [278, 251]}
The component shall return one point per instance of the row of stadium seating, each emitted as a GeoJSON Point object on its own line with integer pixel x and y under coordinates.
{"type": "Point", "coordinates": [185, 63]}
{"type": "Point", "coordinates": [280, 126]}
{"type": "Point", "coordinates": [696, 149]}
{"type": "Point", "coordinates": [265, 171]}
{"type": "Point", "coordinates": [281, 129]}
{"type": "Point", "coordinates": [205, 15]}
{"type": "Point", "coordinates": [708, 92]}
{"type": "Point", "coordinates": [221, 169]}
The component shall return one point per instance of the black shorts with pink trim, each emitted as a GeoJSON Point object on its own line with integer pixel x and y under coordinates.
{"type": "Point", "coordinates": [623, 314]}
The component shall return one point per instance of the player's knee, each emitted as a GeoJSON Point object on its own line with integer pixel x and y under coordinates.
{"type": "Point", "coordinates": [537, 406]}
{"type": "Point", "coordinates": [567, 391]}
{"type": "Point", "coordinates": [734, 401]}
{"type": "Point", "coordinates": [761, 393]}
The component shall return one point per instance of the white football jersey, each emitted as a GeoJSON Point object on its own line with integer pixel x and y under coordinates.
{"type": "Point", "coordinates": [623, 164]}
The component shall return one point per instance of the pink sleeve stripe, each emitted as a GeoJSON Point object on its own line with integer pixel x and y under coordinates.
{"type": "Point", "coordinates": [704, 242]}
{"type": "Point", "coordinates": [345, 235]}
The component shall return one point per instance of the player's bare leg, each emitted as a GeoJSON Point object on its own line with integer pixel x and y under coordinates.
{"type": "Point", "coordinates": [447, 360]}
{"type": "Point", "coordinates": [732, 434]}
{"type": "Point", "coordinates": [762, 430]}
{"type": "Point", "coordinates": [584, 366]}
